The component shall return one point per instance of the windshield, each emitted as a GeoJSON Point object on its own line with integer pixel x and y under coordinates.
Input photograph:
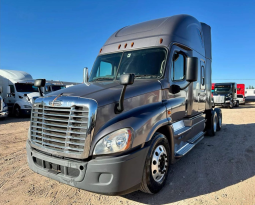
{"type": "Point", "coordinates": [222, 89]}
{"type": "Point", "coordinates": [26, 87]}
{"type": "Point", "coordinates": [57, 87]}
{"type": "Point", "coordinates": [147, 63]}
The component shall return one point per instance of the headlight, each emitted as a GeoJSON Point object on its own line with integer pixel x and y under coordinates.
{"type": "Point", "coordinates": [115, 142]}
{"type": "Point", "coordinates": [27, 106]}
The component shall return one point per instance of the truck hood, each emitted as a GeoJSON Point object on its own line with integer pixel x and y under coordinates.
{"type": "Point", "coordinates": [108, 92]}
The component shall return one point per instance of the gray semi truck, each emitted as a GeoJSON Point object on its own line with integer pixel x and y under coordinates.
{"type": "Point", "coordinates": [225, 95]}
{"type": "Point", "coordinates": [145, 104]}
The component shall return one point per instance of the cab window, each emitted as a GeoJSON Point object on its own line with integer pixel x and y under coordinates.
{"type": "Point", "coordinates": [178, 67]}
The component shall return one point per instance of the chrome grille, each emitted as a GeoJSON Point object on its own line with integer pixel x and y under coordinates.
{"type": "Point", "coordinates": [219, 99]}
{"type": "Point", "coordinates": [62, 129]}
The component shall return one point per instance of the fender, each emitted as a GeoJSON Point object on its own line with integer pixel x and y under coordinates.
{"type": "Point", "coordinates": [144, 120]}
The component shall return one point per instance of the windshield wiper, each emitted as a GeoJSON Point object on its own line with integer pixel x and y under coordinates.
{"type": "Point", "coordinates": [145, 75]}
{"type": "Point", "coordinates": [102, 78]}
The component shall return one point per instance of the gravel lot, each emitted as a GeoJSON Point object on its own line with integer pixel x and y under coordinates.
{"type": "Point", "coordinates": [219, 170]}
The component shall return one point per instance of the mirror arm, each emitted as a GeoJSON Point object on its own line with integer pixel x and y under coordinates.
{"type": "Point", "coordinates": [119, 107]}
{"type": "Point", "coordinates": [40, 91]}
{"type": "Point", "coordinates": [182, 88]}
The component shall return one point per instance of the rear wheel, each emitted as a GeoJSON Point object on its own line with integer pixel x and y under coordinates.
{"type": "Point", "coordinates": [219, 120]}
{"type": "Point", "coordinates": [213, 124]}
{"type": "Point", "coordinates": [237, 103]}
{"type": "Point", "coordinates": [156, 165]}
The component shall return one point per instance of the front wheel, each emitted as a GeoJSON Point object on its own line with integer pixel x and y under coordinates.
{"type": "Point", "coordinates": [156, 165]}
{"type": "Point", "coordinates": [17, 111]}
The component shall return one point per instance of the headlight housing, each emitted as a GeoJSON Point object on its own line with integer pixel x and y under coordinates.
{"type": "Point", "coordinates": [27, 106]}
{"type": "Point", "coordinates": [117, 141]}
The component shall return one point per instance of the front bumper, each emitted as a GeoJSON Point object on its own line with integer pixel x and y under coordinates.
{"type": "Point", "coordinates": [111, 176]}
{"type": "Point", "coordinates": [4, 114]}
{"type": "Point", "coordinates": [25, 111]}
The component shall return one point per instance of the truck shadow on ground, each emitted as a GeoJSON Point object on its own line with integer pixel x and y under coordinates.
{"type": "Point", "coordinates": [11, 119]}
{"type": "Point", "coordinates": [215, 163]}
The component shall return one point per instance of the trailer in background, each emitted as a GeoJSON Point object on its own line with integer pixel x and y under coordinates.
{"type": "Point", "coordinates": [250, 95]}
{"type": "Point", "coordinates": [241, 93]}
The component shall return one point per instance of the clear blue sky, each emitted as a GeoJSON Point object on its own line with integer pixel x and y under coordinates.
{"type": "Point", "coordinates": [55, 39]}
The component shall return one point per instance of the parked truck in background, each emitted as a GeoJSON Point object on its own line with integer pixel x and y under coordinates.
{"type": "Point", "coordinates": [3, 107]}
{"type": "Point", "coordinates": [225, 95]}
{"type": "Point", "coordinates": [145, 105]}
{"type": "Point", "coordinates": [18, 91]}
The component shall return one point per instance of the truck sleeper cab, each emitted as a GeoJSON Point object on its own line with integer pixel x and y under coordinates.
{"type": "Point", "coordinates": [146, 104]}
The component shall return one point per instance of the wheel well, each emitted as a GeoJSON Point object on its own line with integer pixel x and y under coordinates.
{"type": "Point", "coordinates": [166, 130]}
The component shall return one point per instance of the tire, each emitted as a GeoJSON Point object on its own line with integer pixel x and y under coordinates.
{"type": "Point", "coordinates": [17, 111]}
{"type": "Point", "coordinates": [219, 120]}
{"type": "Point", "coordinates": [237, 103]}
{"type": "Point", "coordinates": [213, 124]}
{"type": "Point", "coordinates": [231, 105]}
{"type": "Point", "coordinates": [156, 165]}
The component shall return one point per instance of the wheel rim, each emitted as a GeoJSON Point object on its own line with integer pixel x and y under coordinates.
{"type": "Point", "coordinates": [214, 125]}
{"type": "Point", "coordinates": [220, 121]}
{"type": "Point", "coordinates": [159, 163]}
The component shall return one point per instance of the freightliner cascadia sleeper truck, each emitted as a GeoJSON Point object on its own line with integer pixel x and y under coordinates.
{"type": "Point", "coordinates": [146, 103]}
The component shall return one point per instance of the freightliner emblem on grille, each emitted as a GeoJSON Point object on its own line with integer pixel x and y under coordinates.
{"type": "Point", "coordinates": [56, 102]}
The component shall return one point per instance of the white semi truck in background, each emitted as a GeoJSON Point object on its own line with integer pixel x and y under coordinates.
{"type": "Point", "coordinates": [3, 107]}
{"type": "Point", "coordinates": [18, 91]}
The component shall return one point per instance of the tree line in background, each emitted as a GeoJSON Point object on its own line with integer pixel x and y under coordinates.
{"type": "Point", "coordinates": [250, 87]}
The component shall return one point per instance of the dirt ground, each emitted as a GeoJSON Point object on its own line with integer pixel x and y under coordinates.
{"type": "Point", "coordinates": [219, 170]}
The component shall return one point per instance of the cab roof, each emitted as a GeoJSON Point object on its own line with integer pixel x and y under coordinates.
{"type": "Point", "coordinates": [181, 29]}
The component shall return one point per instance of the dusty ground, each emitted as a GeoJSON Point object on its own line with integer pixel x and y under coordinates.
{"type": "Point", "coordinates": [220, 170]}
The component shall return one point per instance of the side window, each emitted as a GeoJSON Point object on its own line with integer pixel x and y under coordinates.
{"type": "Point", "coordinates": [178, 67]}
{"type": "Point", "coordinates": [105, 69]}
{"type": "Point", "coordinates": [12, 88]}
{"type": "Point", "coordinates": [202, 77]}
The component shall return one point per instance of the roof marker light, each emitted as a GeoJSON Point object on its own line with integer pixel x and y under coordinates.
{"type": "Point", "coordinates": [119, 46]}
{"type": "Point", "coordinates": [132, 44]}
{"type": "Point", "coordinates": [161, 40]}
{"type": "Point", "coordinates": [101, 50]}
{"type": "Point", "coordinates": [125, 45]}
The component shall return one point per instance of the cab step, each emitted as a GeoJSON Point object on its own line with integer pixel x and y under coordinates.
{"type": "Point", "coordinates": [189, 145]}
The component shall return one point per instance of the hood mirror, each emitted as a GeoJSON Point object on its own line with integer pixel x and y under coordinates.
{"type": "Point", "coordinates": [40, 83]}
{"type": "Point", "coordinates": [125, 80]}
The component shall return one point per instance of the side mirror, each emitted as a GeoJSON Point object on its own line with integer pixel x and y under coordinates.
{"type": "Point", "coordinates": [191, 69]}
{"type": "Point", "coordinates": [85, 75]}
{"type": "Point", "coordinates": [40, 83]}
{"type": "Point", "coordinates": [125, 80]}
